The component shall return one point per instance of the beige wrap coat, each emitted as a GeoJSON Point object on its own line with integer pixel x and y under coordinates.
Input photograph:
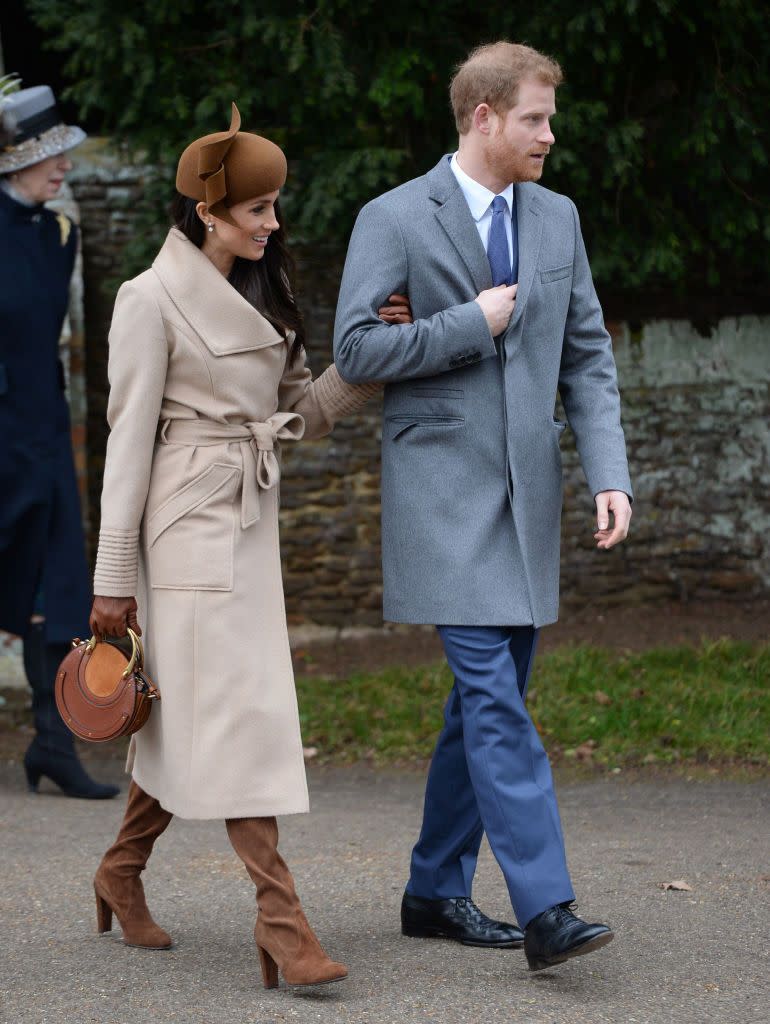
{"type": "Point", "coordinates": [201, 393]}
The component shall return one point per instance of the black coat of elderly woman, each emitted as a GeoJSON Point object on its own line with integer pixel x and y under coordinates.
{"type": "Point", "coordinates": [44, 581]}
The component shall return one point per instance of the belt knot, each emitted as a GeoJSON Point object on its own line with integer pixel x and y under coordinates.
{"type": "Point", "coordinates": [264, 437]}
{"type": "Point", "coordinates": [257, 442]}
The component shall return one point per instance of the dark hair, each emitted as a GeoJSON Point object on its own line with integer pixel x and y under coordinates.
{"type": "Point", "coordinates": [266, 283]}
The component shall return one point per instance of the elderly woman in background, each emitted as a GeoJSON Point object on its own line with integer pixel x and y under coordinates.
{"type": "Point", "coordinates": [45, 591]}
{"type": "Point", "coordinates": [207, 375]}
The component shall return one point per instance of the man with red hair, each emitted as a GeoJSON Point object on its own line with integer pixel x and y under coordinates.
{"type": "Point", "coordinates": [505, 316]}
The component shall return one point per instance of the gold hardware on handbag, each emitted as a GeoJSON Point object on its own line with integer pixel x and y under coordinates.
{"type": "Point", "coordinates": [102, 691]}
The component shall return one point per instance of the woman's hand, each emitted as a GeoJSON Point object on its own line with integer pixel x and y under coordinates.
{"type": "Point", "coordinates": [398, 311]}
{"type": "Point", "coordinates": [114, 616]}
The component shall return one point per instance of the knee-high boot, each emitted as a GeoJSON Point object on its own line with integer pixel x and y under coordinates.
{"type": "Point", "coordinates": [52, 751]}
{"type": "Point", "coordinates": [117, 882]}
{"type": "Point", "coordinates": [285, 940]}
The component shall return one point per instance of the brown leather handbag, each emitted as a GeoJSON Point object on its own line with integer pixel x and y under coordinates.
{"type": "Point", "coordinates": [101, 689]}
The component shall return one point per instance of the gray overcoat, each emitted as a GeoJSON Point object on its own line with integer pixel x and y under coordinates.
{"type": "Point", "coordinates": [471, 465]}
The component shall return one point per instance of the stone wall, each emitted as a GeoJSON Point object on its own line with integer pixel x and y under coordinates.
{"type": "Point", "coordinates": [696, 412]}
{"type": "Point", "coordinates": [697, 419]}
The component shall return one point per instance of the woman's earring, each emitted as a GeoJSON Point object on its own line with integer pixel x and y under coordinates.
{"type": "Point", "coordinates": [210, 226]}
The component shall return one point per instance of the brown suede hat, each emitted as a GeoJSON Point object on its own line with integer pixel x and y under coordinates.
{"type": "Point", "coordinates": [230, 167]}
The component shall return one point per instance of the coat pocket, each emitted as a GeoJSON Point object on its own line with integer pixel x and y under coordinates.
{"type": "Point", "coordinates": [556, 274]}
{"type": "Point", "coordinates": [407, 421]}
{"type": "Point", "coordinates": [429, 391]}
{"type": "Point", "coordinates": [190, 537]}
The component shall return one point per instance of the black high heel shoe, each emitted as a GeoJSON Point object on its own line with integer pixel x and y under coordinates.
{"type": "Point", "coordinates": [67, 772]}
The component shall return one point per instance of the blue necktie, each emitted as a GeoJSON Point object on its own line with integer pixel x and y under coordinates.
{"type": "Point", "coordinates": [497, 246]}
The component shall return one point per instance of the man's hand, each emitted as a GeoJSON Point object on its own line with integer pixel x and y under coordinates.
{"type": "Point", "coordinates": [497, 306]}
{"type": "Point", "coordinates": [399, 310]}
{"type": "Point", "coordinates": [113, 616]}
{"type": "Point", "coordinates": [618, 504]}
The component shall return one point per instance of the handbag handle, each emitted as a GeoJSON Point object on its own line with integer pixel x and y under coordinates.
{"type": "Point", "coordinates": [137, 652]}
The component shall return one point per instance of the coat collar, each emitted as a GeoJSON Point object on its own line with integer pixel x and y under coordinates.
{"type": "Point", "coordinates": [455, 217]}
{"type": "Point", "coordinates": [13, 210]}
{"type": "Point", "coordinates": [225, 321]}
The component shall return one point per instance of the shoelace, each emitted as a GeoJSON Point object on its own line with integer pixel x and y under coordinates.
{"type": "Point", "coordinates": [467, 902]}
{"type": "Point", "coordinates": [566, 912]}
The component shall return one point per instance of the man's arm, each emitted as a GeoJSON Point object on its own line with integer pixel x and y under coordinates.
{"type": "Point", "coordinates": [366, 349]}
{"type": "Point", "coordinates": [589, 391]}
{"type": "Point", "coordinates": [588, 383]}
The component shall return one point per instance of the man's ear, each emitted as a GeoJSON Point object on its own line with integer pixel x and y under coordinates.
{"type": "Point", "coordinates": [481, 118]}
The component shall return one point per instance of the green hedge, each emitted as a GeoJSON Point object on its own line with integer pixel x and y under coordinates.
{"type": "Point", "coordinates": [661, 136]}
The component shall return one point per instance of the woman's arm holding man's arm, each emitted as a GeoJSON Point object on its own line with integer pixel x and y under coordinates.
{"type": "Point", "coordinates": [365, 349]}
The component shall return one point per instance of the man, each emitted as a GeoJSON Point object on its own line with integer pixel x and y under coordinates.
{"type": "Point", "coordinates": [505, 315]}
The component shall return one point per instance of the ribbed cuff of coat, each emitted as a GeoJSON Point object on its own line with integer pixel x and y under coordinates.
{"type": "Point", "coordinates": [117, 563]}
{"type": "Point", "coordinates": [337, 398]}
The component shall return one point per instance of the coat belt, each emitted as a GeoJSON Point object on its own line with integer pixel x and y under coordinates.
{"type": "Point", "coordinates": [257, 443]}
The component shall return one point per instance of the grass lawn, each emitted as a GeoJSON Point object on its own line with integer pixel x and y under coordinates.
{"type": "Point", "coordinates": [697, 706]}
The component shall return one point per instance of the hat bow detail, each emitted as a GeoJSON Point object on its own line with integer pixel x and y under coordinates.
{"type": "Point", "coordinates": [211, 166]}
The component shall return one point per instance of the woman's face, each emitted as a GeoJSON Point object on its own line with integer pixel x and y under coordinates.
{"type": "Point", "coordinates": [255, 220]}
{"type": "Point", "coordinates": [42, 180]}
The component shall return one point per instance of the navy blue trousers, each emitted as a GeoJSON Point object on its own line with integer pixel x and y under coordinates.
{"type": "Point", "coordinates": [490, 774]}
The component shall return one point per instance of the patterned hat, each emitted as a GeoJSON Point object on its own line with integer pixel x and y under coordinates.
{"type": "Point", "coordinates": [31, 127]}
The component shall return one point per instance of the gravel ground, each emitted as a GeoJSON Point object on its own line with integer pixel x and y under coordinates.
{"type": "Point", "coordinates": [678, 957]}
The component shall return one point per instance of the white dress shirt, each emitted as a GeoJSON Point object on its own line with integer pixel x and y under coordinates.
{"type": "Point", "coordinates": [479, 200]}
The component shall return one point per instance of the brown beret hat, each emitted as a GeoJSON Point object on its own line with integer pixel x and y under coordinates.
{"type": "Point", "coordinates": [230, 167]}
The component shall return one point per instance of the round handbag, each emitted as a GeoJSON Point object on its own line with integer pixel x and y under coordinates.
{"type": "Point", "coordinates": [101, 689]}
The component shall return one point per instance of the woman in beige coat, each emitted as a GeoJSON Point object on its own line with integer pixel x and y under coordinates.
{"type": "Point", "coordinates": [207, 376]}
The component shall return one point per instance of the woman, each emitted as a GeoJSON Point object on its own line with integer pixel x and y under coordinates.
{"type": "Point", "coordinates": [45, 592]}
{"type": "Point", "coordinates": [207, 373]}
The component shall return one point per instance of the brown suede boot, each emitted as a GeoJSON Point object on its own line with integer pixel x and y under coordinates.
{"type": "Point", "coordinates": [284, 938]}
{"type": "Point", "coordinates": [117, 884]}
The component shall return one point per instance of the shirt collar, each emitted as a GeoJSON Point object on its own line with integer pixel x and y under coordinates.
{"type": "Point", "coordinates": [478, 196]}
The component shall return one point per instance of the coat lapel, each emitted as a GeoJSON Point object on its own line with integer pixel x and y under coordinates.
{"type": "Point", "coordinates": [530, 225]}
{"type": "Point", "coordinates": [455, 218]}
{"type": "Point", "coordinates": [224, 320]}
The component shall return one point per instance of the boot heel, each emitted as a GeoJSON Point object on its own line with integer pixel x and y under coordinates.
{"type": "Point", "coordinates": [269, 968]}
{"type": "Point", "coordinates": [103, 915]}
{"type": "Point", "coordinates": [33, 774]}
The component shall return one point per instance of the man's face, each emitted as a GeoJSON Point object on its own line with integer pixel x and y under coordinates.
{"type": "Point", "coordinates": [520, 140]}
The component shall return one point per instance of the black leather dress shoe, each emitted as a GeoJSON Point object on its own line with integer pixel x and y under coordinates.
{"type": "Point", "coordinates": [459, 919]}
{"type": "Point", "coordinates": [557, 935]}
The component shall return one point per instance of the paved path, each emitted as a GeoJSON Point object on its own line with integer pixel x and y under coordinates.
{"type": "Point", "coordinates": [678, 957]}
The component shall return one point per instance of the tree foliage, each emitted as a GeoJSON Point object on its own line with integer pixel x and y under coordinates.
{"type": "Point", "coordinates": [661, 136]}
